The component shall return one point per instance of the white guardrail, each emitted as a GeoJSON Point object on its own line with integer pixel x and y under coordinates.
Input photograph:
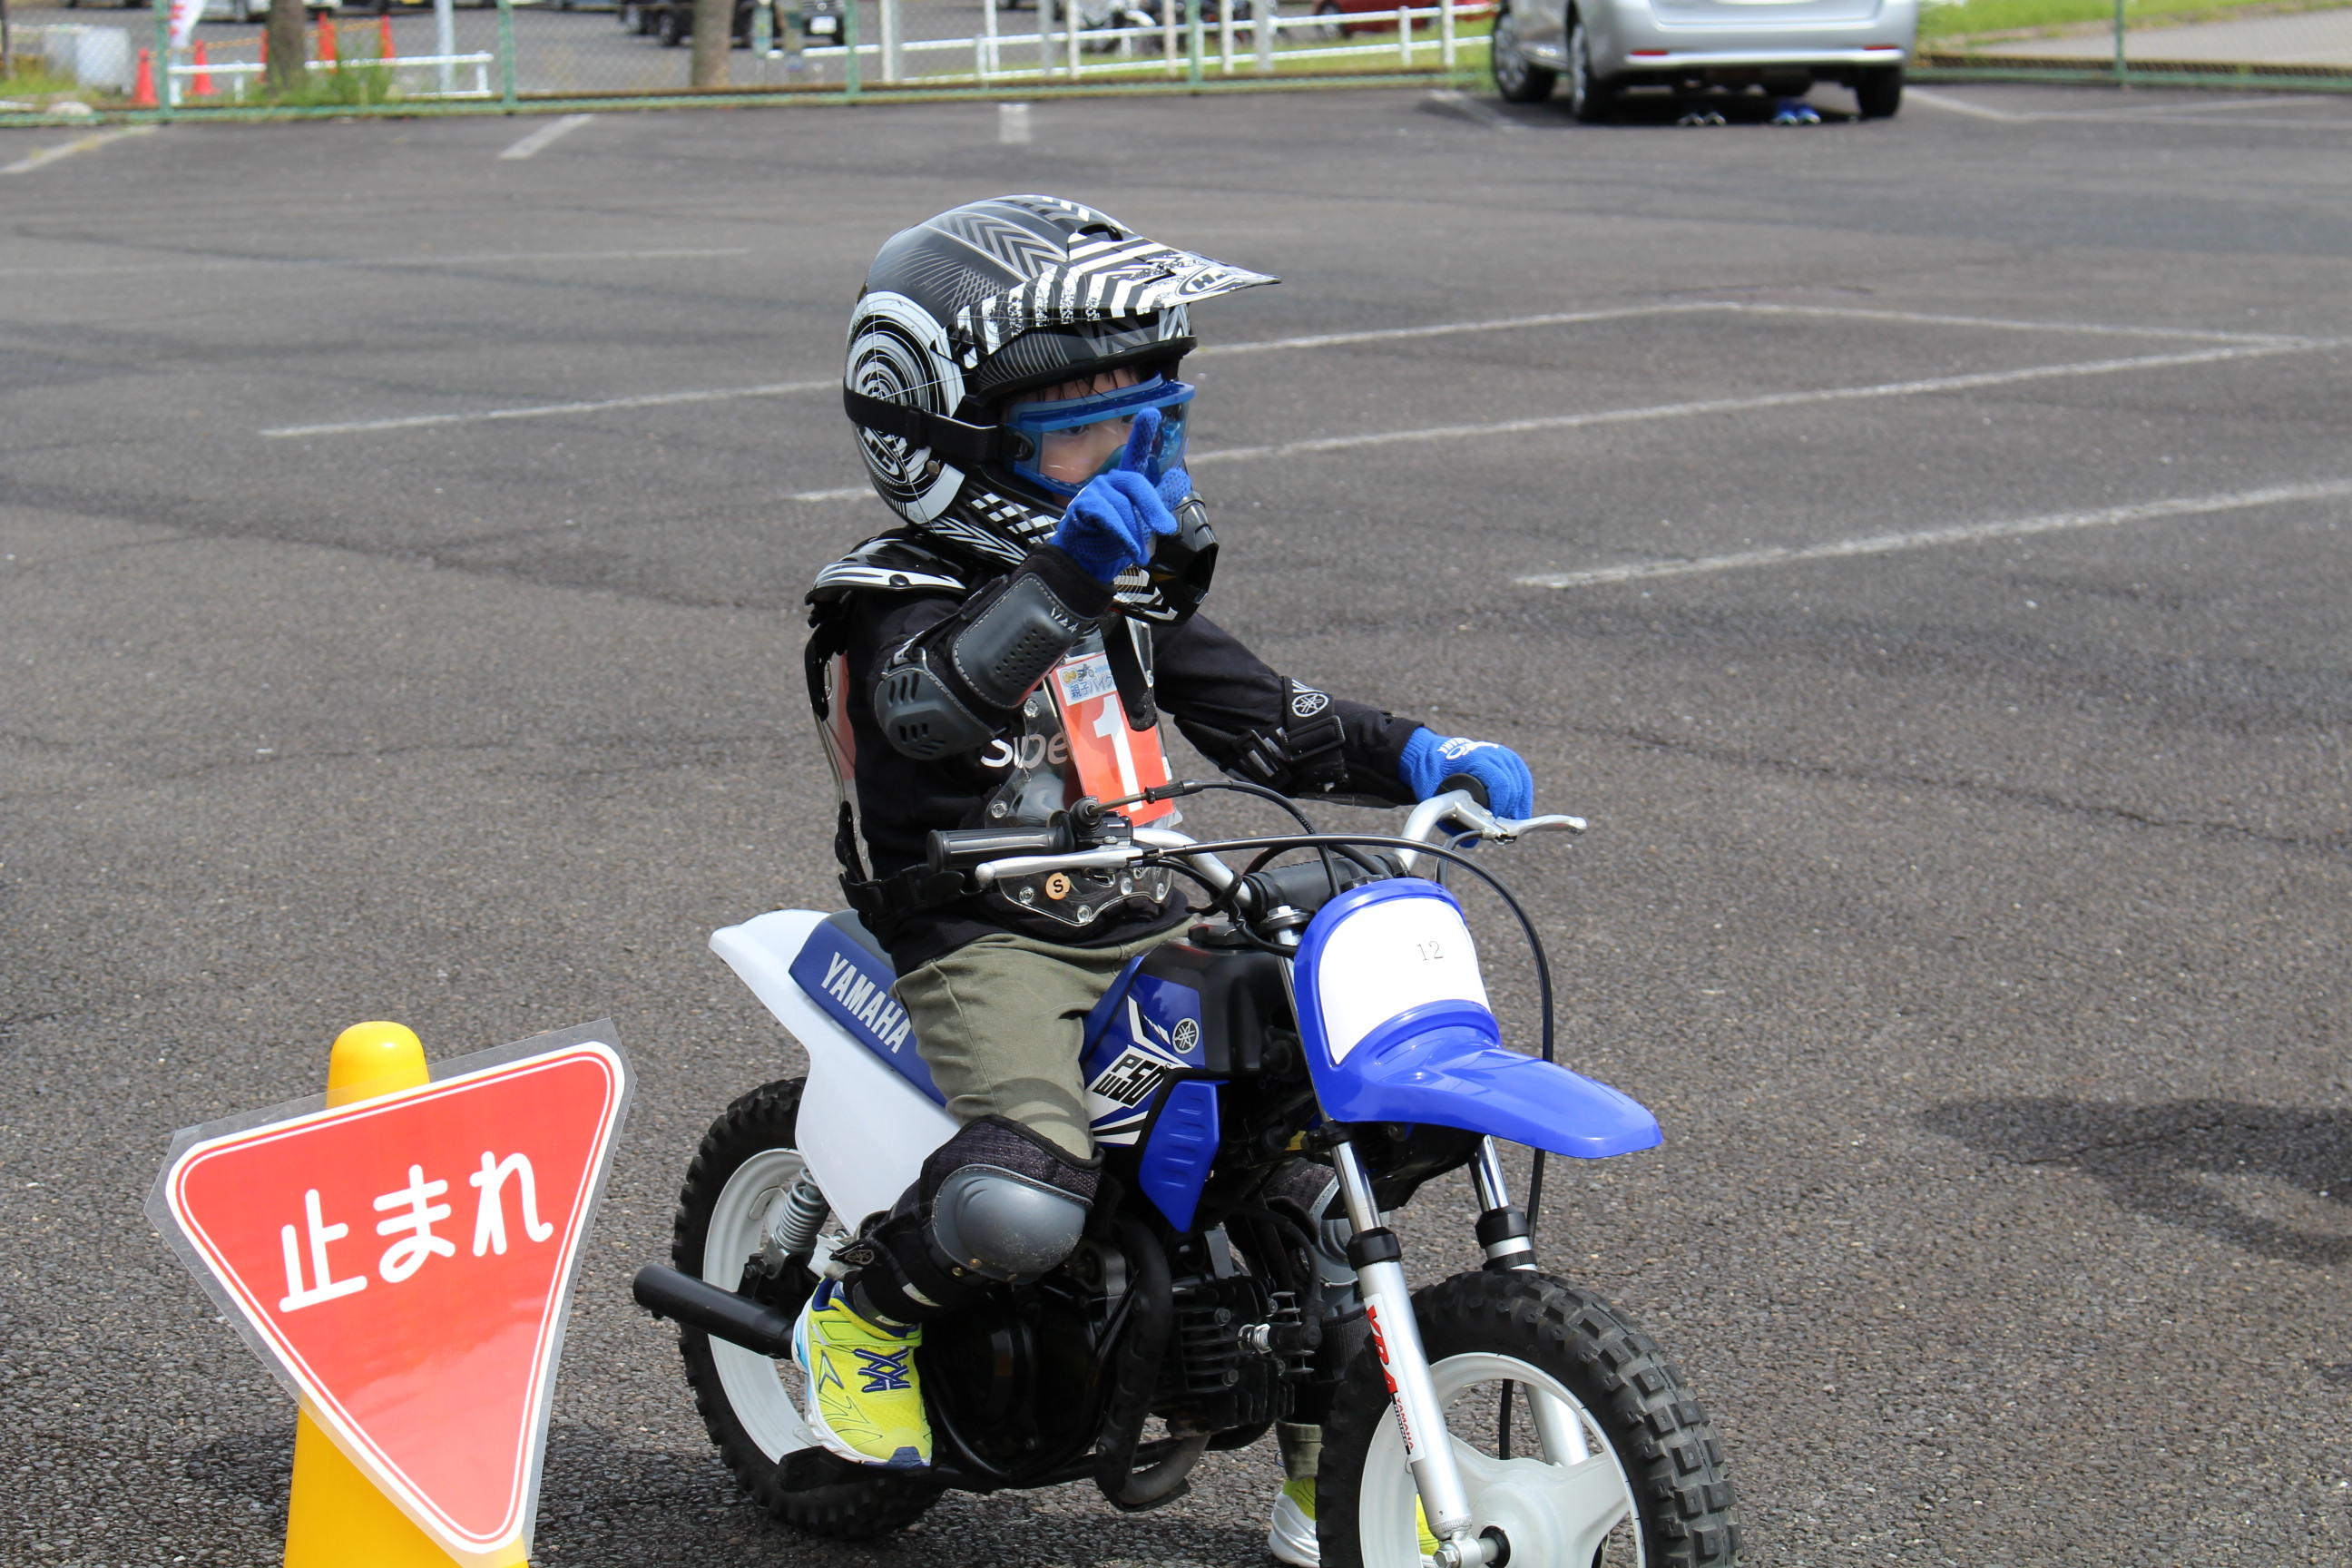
{"type": "Point", "coordinates": [186, 81]}
{"type": "Point", "coordinates": [1246, 43]}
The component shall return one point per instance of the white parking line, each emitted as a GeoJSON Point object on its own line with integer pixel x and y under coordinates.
{"type": "Point", "coordinates": [543, 410]}
{"type": "Point", "coordinates": [1964, 533]}
{"type": "Point", "coordinates": [1762, 400]}
{"type": "Point", "coordinates": [1476, 109]}
{"type": "Point", "coordinates": [1656, 411]}
{"type": "Point", "coordinates": [545, 134]}
{"type": "Point", "coordinates": [491, 258]}
{"type": "Point", "coordinates": [1384, 334]}
{"type": "Point", "coordinates": [1012, 127]}
{"type": "Point", "coordinates": [1960, 106]}
{"type": "Point", "coordinates": [2006, 324]}
{"type": "Point", "coordinates": [2170, 112]}
{"type": "Point", "coordinates": [89, 143]}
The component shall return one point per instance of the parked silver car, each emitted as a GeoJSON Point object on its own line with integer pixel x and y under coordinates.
{"type": "Point", "coordinates": [1605, 46]}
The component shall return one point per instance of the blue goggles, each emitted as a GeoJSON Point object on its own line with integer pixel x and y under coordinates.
{"type": "Point", "coordinates": [1061, 443]}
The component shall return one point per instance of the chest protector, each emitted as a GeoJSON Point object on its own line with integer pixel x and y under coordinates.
{"type": "Point", "coordinates": [1075, 735]}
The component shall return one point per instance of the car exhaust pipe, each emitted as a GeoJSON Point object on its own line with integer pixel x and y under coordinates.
{"type": "Point", "coordinates": [722, 1314]}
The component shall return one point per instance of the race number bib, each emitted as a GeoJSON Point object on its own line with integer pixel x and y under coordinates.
{"type": "Point", "coordinates": [1111, 760]}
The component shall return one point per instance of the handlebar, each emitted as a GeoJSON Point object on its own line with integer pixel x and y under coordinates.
{"type": "Point", "coordinates": [962, 848]}
{"type": "Point", "coordinates": [1073, 842]}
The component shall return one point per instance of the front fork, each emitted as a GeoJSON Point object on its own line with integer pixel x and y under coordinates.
{"type": "Point", "coordinates": [1405, 1363]}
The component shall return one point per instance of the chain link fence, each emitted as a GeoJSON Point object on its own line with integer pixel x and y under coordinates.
{"type": "Point", "coordinates": [72, 59]}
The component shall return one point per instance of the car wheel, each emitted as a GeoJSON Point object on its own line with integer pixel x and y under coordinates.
{"type": "Point", "coordinates": [1330, 29]}
{"type": "Point", "coordinates": [1591, 97]}
{"type": "Point", "coordinates": [1879, 93]}
{"type": "Point", "coordinates": [671, 30]}
{"type": "Point", "coordinates": [1517, 79]}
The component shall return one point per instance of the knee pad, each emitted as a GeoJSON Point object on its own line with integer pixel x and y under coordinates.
{"type": "Point", "coordinates": [995, 1205]}
{"type": "Point", "coordinates": [1003, 1202]}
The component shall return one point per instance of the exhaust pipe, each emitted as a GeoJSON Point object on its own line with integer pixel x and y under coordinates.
{"type": "Point", "coordinates": [722, 1314]}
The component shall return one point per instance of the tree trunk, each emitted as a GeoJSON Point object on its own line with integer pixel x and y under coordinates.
{"type": "Point", "coordinates": [288, 48]}
{"type": "Point", "coordinates": [714, 36]}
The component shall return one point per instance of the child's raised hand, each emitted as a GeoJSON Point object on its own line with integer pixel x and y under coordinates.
{"type": "Point", "coordinates": [1175, 486]}
{"type": "Point", "coordinates": [1113, 523]}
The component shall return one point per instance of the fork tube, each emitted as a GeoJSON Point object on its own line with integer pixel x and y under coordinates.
{"type": "Point", "coordinates": [1503, 1232]}
{"type": "Point", "coordinates": [1396, 1339]}
{"type": "Point", "coordinates": [1502, 1228]}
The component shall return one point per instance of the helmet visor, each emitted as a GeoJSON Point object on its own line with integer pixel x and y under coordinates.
{"type": "Point", "coordinates": [1059, 444]}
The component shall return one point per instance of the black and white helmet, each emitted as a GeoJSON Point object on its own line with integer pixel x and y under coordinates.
{"type": "Point", "coordinates": [963, 312]}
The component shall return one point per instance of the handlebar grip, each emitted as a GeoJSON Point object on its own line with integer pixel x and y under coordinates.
{"type": "Point", "coordinates": [960, 848]}
{"type": "Point", "coordinates": [1465, 783]}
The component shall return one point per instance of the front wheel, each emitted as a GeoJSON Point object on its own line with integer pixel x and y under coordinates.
{"type": "Point", "coordinates": [734, 1191]}
{"type": "Point", "coordinates": [1575, 1438]}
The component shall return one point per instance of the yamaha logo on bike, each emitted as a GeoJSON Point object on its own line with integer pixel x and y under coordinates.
{"type": "Point", "coordinates": [1185, 1035]}
{"type": "Point", "coordinates": [853, 986]}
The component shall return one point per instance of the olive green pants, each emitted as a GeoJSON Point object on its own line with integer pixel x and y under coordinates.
{"type": "Point", "coordinates": [999, 1021]}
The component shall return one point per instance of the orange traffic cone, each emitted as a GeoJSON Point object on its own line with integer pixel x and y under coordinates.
{"type": "Point", "coordinates": [142, 93]}
{"type": "Point", "coordinates": [384, 50]}
{"type": "Point", "coordinates": [203, 85]}
{"type": "Point", "coordinates": [327, 55]}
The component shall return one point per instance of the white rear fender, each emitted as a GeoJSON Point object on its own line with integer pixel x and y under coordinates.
{"type": "Point", "coordinates": [864, 1128]}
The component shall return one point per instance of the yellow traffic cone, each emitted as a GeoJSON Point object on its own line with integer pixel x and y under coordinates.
{"type": "Point", "coordinates": [336, 1517]}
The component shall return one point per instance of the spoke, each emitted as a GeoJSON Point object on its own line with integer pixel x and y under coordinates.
{"type": "Point", "coordinates": [1480, 1469]}
{"type": "Point", "coordinates": [1562, 1433]}
{"type": "Point", "coordinates": [1590, 1499]}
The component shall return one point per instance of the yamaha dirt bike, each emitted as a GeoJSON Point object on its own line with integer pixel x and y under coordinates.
{"type": "Point", "coordinates": [1266, 1090]}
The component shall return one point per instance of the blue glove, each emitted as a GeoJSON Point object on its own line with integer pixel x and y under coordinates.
{"type": "Point", "coordinates": [1114, 522]}
{"type": "Point", "coordinates": [1430, 759]}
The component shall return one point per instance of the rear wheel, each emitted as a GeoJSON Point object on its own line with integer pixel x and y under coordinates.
{"type": "Point", "coordinates": [671, 29]}
{"type": "Point", "coordinates": [750, 1404]}
{"type": "Point", "coordinates": [1329, 28]}
{"type": "Point", "coordinates": [1596, 1454]}
{"type": "Point", "coordinates": [1517, 77]}
{"type": "Point", "coordinates": [1591, 97]}
{"type": "Point", "coordinates": [1879, 93]}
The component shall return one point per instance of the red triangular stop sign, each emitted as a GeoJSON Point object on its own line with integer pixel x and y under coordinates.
{"type": "Point", "coordinates": [404, 1262]}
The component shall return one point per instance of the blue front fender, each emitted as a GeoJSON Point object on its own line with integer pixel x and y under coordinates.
{"type": "Point", "coordinates": [1438, 1058]}
{"type": "Point", "coordinates": [1441, 1066]}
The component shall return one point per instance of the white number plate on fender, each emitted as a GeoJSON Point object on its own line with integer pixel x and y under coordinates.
{"type": "Point", "coordinates": [1389, 957]}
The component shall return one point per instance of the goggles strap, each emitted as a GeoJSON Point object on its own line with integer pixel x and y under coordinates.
{"type": "Point", "coordinates": [952, 440]}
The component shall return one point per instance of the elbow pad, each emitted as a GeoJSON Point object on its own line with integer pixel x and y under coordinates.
{"type": "Point", "coordinates": [957, 686]}
{"type": "Point", "coordinates": [1002, 652]}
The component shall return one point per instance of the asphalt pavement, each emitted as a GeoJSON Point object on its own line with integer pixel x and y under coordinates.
{"type": "Point", "coordinates": [1920, 547]}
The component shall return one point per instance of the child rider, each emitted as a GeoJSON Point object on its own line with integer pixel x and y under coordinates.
{"type": "Point", "coordinates": [999, 652]}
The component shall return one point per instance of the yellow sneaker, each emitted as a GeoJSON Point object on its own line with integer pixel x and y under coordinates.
{"type": "Point", "coordinates": [1291, 1538]}
{"type": "Point", "coordinates": [865, 1398]}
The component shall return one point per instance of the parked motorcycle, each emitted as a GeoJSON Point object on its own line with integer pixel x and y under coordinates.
{"type": "Point", "coordinates": [1267, 1092]}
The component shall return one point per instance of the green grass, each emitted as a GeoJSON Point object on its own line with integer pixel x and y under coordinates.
{"type": "Point", "coordinates": [359, 85]}
{"type": "Point", "coordinates": [33, 81]}
{"type": "Point", "coordinates": [1981, 19]}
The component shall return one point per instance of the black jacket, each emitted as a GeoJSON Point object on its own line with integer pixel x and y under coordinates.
{"type": "Point", "coordinates": [1242, 714]}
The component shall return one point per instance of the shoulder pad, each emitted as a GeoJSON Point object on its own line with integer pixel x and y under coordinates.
{"type": "Point", "coordinates": [892, 563]}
